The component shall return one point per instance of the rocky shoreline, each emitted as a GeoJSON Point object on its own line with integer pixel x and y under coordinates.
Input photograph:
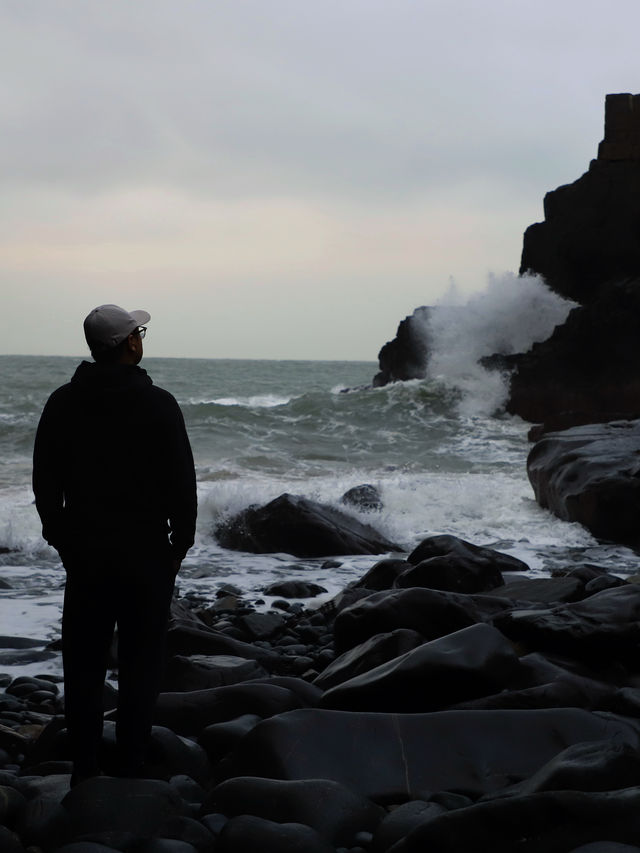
{"type": "Point", "coordinates": [445, 701]}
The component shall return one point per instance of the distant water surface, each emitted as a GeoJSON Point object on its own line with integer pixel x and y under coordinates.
{"type": "Point", "coordinates": [260, 428]}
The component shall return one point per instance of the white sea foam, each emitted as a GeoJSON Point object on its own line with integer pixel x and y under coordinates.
{"type": "Point", "coordinates": [513, 313]}
{"type": "Point", "coordinates": [257, 401]}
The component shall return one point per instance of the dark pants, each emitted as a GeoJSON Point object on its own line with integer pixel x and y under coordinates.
{"type": "Point", "coordinates": [133, 593]}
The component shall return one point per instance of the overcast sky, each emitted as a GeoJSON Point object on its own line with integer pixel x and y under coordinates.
{"type": "Point", "coordinates": [284, 178]}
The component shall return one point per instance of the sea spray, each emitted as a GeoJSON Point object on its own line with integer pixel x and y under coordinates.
{"type": "Point", "coordinates": [510, 315]}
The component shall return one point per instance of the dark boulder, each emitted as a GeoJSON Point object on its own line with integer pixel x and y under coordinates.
{"type": "Point", "coordinates": [247, 834]}
{"type": "Point", "coordinates": [200, 672]}
{"type": "Point", "coordinates": [218, 738]}
{"type": "Point", "coordinates": [472, 662]}
{"type": "Point", "coordinates": [604, 626]}
{"type": "Point", "coordinates": [430, 612]}
{"type": "Point", "coordinates": [295, 525]}
{"type": "Point", "coordinates": [372, 653]}
{"type": "Point", "coordinates": [548, 822]}
{"type": "Point", "coordinates": [294, 589]}
{"type": "Point", "coordinates": [452, 572]}
{"type": "Point", "coordinates": [382, 575]}
{"type": "Point", "coordinates": [591, 766]}
{"type": "Point", "coordinates": [366, 497]}
{"type": "Point", "coordinates": [335, 812]}
{"type": "Point", "coordinates": [189, 713]}
{"type": "Point", "coordinates": [546, 590]}
{"type": "Point", "coordinates": [391, 758]}
{"type": "Point", "coordinates": [591, 474]}
{"type": "Point", "coordinates": [406, 356]}
{"type": "Point", "coordinates": [467, 552]}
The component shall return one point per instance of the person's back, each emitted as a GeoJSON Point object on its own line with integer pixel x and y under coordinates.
{"type": "Point", "coordinates": [117, 448]}
{"type": "Point", "coordinates": [115, 488]}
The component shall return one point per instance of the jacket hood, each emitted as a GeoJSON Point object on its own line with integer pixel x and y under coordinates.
{"type": "Point", "coordinates": [94, 380]}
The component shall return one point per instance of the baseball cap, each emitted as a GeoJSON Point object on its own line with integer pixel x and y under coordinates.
{"type": "Point", "coordinates": [108, 325]}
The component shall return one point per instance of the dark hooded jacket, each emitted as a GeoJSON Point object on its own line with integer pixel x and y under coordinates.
{"type": "Point", "coordinates": [112, 468]}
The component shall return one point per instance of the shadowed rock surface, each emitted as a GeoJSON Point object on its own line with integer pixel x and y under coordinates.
{"type": "Point", "coordinates": [591, 474]}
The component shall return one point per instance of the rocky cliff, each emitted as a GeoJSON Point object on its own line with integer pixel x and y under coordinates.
{"type": "Point", "coordinates": [587, 249]}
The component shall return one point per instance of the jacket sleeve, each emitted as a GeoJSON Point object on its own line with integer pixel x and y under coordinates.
{"type": "Point", "coordinates": [48, 478]}
{"type": "Point", "coordinates": [183, 501]}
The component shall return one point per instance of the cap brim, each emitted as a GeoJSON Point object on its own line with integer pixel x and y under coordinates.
{"type": "Point", "coordinates": [141, 317]}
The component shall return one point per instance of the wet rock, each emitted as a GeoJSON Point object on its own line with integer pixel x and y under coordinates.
{"type": "Point", "coordinates": [219, 738]}
{"type": "Point", "coordinates": [546, 590]}
{"type": "Point", "coordinates": [200, 672]}
{"type": "Point", "coordinates": [451, 572]}
{"type": "Point", "coordinates": [605, 626]}
{"type": "Point", "coordinates": [391, 758]}
{"type": "Point", "coordinates": [295, 589]}
{"type": "Point", "coordinates": [591, 474]}
{"type": "Point", "coordinates": [331, 809]}
{"type": "Point", "coordinates": [189, 638]}
{"type": "Point", "coordinates": [189, 713]}
{"type": "Point", "coordinates": [295, 525]}
{"type": "Point", "coordinates": [366, 497]}
{"type": "Point", "coordinates": [468, 663]}
{"type": "Point", "coordinates": [432, 613]}
{"type": "Point", "coordinates": [382, 575]}
{"type": "Point", "coordinates": [441, 546]}
{"type": "Point", "coordinates": [375, 651]}
{"type": "Point", "coordinates": [261, 626]}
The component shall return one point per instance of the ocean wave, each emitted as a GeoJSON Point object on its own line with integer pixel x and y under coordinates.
{"type": "Point", "coordinates": [257, 401]}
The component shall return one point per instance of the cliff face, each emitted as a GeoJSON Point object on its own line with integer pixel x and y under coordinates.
{"type": "Point", "coordinates": [406, 356]}
{"type": "Point", "coordinates": [588, 249]}
{"type": "Point", "coordinates": [591, 230]}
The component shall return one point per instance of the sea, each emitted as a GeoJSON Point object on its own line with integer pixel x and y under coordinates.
{"type": "Point", "coordinates": [440, 450]}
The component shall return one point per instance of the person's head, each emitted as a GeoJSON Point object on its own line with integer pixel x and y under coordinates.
{"type": "Point", "coordinates": [115, 335]}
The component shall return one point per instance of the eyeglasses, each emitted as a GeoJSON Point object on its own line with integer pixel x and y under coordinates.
{"type": "Point", "coordinates": [141, 330]}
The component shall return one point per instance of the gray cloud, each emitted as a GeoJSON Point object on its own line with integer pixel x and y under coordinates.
{"type": "Point", "coordinates": [252, 97]}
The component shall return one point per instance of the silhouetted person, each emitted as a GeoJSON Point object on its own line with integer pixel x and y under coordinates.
{"type": "Point", "coordinates": [115, 488]}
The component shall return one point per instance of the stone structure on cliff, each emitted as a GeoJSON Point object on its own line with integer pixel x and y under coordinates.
{"type": "Point", "coordinates": [588, 249]}
{"type": "Point", "coordinates": [591, 231]}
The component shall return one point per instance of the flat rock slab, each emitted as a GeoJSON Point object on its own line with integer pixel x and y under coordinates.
{"type": "Point", "coordinates": [591, 474]}
{"type": "Point", "coordinates": [396, 757]}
